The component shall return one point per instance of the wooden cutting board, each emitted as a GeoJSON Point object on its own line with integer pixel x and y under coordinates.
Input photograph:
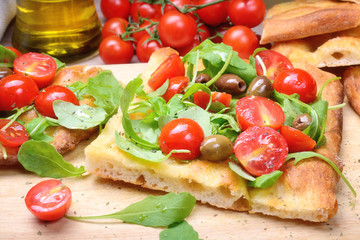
{"type": "Point", "coordinates": [95, 196]}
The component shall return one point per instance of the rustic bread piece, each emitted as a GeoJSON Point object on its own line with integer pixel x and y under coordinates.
{"type": "Point", "coordinates": [304, 18]}
{"type": "Point", "coordinates": [351, 80]}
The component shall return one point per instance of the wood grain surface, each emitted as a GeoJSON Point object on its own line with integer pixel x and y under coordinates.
{"type": "Point", "coordinates": [95, 196]}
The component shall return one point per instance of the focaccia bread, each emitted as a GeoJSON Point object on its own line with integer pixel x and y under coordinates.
{"type": "Point", "coordinates": [304, 18]}
{"type": "Point", "coordinates": [351, 79]}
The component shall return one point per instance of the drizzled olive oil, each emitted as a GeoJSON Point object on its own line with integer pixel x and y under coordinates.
{"type": "Point", "coordinates": [66, 29]}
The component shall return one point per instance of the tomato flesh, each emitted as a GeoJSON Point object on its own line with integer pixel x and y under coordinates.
{"type": "Point", "coordinates": [297, 141]}
{"type": "Point", "coordinates": [261, 150]}
{"type": "Point", "coordinates": [14, 135]}
{"type": "Point", "coordinates": [176, 86]}
{"type": "Point", "coordinates": [221, 97]}
{"type": "Point", "coordinates": [48, 200]}
{"type": "Point", "coordinates": [201, 99]}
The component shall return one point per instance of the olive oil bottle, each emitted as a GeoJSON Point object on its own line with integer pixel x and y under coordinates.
{"type": "Point", "coordinates": [66, 29]}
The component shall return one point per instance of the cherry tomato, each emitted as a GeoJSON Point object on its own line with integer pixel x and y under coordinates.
{"type": "Point", "coordinates": [114, 50]}
{"type": "Point", "coordinates": [201, 99]}
{"type": "Point", "coordinates": [14, 135]}
{"type": "Point", "coordinates": [242, 39]}
{"type": "Point", "coordinates": [203, 32]}
{"type": "Point", "coordinates": [17, 91]}
{"type": "Point", "coordinates": [114, 26]}
{"type": "Point", "coordinates": [171, 67]}
{"type": "Point", "coordinates": [274, 63]}
{"type": "Point", "coordinates": [115, 8]}
{"type": "Point", "coordinates": [259, 111]}
{"type": "Point", "coordinates": [178, 3]}
{"type": "Point", "coordinates": [177, 29]}
{"type": "Point", "coordinates": [181, 133]}
{"type": "Point", "coordinates": [215, 14]}
{"type": "Point", "coordinates": [17, 52]}
{"type": "Point", "coordinates": [145, 10]}
{"type": "Point", "coordinates": [221, 97]}
{"type": "Point", "coordinates": [296, 81]}
{"type": "Point", "coordinates": [260, 150]}
{"type": "Point", "coordinates": [249, 13]}
{"type": "Point", "coordinates": [39, 67]}
{"type": "Point", "coordinates": [218, 33]}
{"type": "Point", "coordinates": [297, 141]}
{"type": "Point", "coordinates": [139, 35]}
{"type": "Point", "coordinates": [145, 48]}
{"type": "Point", "coordinates": [44, 101]}
{"type": "Point", "coordinates": [184, 50]}
{"type": "Point", "coordinates": [176, 85]}
{"type": "Point", "coordinates": [48, 200]}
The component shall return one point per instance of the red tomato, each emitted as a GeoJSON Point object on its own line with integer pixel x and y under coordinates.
{"type": "Point", "coordinates": [145, 48]}
{"type": "Point", "coordinates": [176, 85]}
{"type": "Point", "coordinates": [184, 50]}
{"type": "Point", "coordinates": [242, 39]}
{"type": "Point", "coordinates": [178, 3]}
{"type": "Point", "coordinates": [139, 35]}
{"type": "Point", "coordinates": [115, 8]}
{"type": "Point", "coordinates": [171, 67]}
{"type": "Point", "coordinates": [201, 99]}
{"type": "Point", "coordinates": [39, 67]}
{"type": "Point", "coordinates": [296, 81]}
{"type": "Point", "coordinates": [297, 141]}
{"type": "Point", "coordinates": [218, 34]}
{"type": "Point", "coordinates": [260, 150]}
{"type": "Point", "coordinates": [17, 52]}
{"type": "Point", "coordinates": [44, 101]}
{"type": "Point", "coordinates": [259, 111]}
{"type": "Point", "coordinates": [215, 14]}
{"type": "Point", "coordinates": [177, 29]}
{"type": "Point", "coordinates": [145, 10]}
{"type": "Point", "coordinates": [17, 91]}
{"type": "Point", "coordinates": [203, 32]}
{"type": "Point", "coordinates": [48, 200]}
{"type": "Point", "coordinates": [14, 135]}
{"type": "Point", "coordinates": [249, 13]}
{"type": "Point", "coordinates": [114, 26]}
{"type": "Point", "coordinates": [181, 133]}
{"type": "Point", "coordinates": [274, 63]}
{"type": "Point", "coordinates": [114, 50]}
{"type": "Point", "coordinates": [224, 98]}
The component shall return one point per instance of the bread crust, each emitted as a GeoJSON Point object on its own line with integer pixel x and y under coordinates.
{"type": "Point", "coordinates": [351, 80]}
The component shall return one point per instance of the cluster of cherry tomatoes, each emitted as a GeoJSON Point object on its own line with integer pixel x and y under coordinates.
{"type": "Point", "coordinates": [143, 26]}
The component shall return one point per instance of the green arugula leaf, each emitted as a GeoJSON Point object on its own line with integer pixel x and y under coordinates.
{"type": "Point", "coordinates": [43, 159]}
{"type": "Point", "coordinates": [239, 171]}
{"type": "Point", "coordinates": [266, 180]}
{"type": "Point", "coordinates": [195, 88]}
{"type": "Point", "coordinates": [179, 231]}
{"type": "Point", "coordinates": [36, 129]}
{"type": "Point", "coordinates": [200, 116]}
{"type": "Point", "coordinates": [79, 89]}
{"type": "Point", "coordinates": [8, 55]}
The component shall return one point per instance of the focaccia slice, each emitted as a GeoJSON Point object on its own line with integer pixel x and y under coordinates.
{"type": "Point", "coordinates": [351, 79]}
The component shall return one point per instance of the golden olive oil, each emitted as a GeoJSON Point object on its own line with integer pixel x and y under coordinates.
{"type": "Point", "coordinates": [66, 29]}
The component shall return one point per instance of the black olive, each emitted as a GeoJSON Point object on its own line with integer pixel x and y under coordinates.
{"type": "Point", "coordinates": [231, 84]}
{"type": "Point", "coordinates": [302, 121]}
{"type": "Point", "coordinates": [216, 148]}
{"type": "Point", "coordinates": [260, 86]}
{"type": "Point", "coordinates": [4, 71]}
{"type": "Point", "coordinates": [202, 78]}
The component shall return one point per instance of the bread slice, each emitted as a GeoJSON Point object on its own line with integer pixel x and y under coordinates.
{"type": "Point", "coordinates": [351, 79]}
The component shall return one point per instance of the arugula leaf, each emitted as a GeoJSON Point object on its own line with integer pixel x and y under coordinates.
{"type": "Point", "coordinates": [266, 180]}
{"type": "Point", "coordinates": [239, 171]}
{"type": "Point", "coordinates": [8, 55]}
{"type": "Point", "coordinates": [179, 231]}
{"type": "Point", "coordinates": [195, 88]}
{"type": "Point", "coordinates": [43, 159]}
{"type": "Point", "coordinates": [153, 211]}
{"type": "Point", "coordinates": [79, 89]}
{"type": "Point", "coordinates": [36, 129]}
{"type": "Point", "coordinates": [200, 116]}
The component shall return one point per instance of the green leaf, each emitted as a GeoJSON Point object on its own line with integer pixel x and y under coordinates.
{"type": "Point", "coordinates": [154, 211]}
{"type": "Point", "coordinates": [179, 231]}
{"type": "Point", "coordinates": [43, 159]}
{"type": "Point", "coordinates": [79, 88]}
{"type": "Point", "coordinates": [36, 129]}
{"type": "Point", "coordinates": [266, 180]}
{"type": "Point", "coordinates": [239, 171]}
{"type": "Point", "coordinates": [195, 88]}
{"type": "Point", "coordinates": [8, 55]}
{"type": "Point", "coordinates": [200, 116]}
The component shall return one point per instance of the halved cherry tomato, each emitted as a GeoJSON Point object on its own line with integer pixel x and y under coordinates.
{"type": "Point", "coordinates": [17, 91]}
{"type": "Point", "coordinates": [146, 47]}
{"type": "Point", "coordinates": [48, 200]}
{"type": "Point", "coordinates": [259, 111]}
{"type": "Point", "coordinates": [260, 150]}
{"type": "Point", "coordinates": [224, 98]}
{"type": "Point", "coordinates": [114, 26]}
{"type": "Point", "coordinates": [297, 141]}
{"type": "Point", "coordinates": [14, 135]}
{"type": "Point", "coordinates": [39, 67]}
{"type": "Point", "coordinates": [296, 81]}
{"type": "Point", "coordinates": [201, 99]}
{"type": "Point", "coordinates": [171, 67]}
{"type": "Point", "coordinates": [176, 85]}
{"type": "Point", "coordinates": [181, 133]}
{"type": "Point", "coordinates": [44, 101]}
{"type": "Point", "coordinates": [274, 63]}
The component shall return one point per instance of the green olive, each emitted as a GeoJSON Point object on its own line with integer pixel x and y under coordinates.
{"type": "Point", "coordinates": [231, 83]}
{"type": "Point", "coordinates": [216, 148]}
{"type": "Point", "coordinates": [4, 71]}
{"type": "Point", "coordinates": [260, 86]}
{"type": "Point", "coordinates": [302, 121]}
{"type": "Point", "coordinates": [202, 78]}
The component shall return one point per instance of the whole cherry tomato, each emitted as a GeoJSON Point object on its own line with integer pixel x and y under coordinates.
{"type": "Point", "coordinates": [171, 67]}
{"type": "Point", "coordinates": [176, 85]}
{"type": "Point", "coordinates": [48, 200]}
{"type": "Point", "coordinates": [17, 91]}
{"type": "Point", "coordinates": [218, 33]}
{"type": "Point", "coordinates": [249, 13]}
{"type": "Point", "coordinates": [114, 26]}
{"type": "Point", "coordinates": [176, 29]}
{"type": "Point", "coordinates": [296, 81]}
{"type": "Point", "coordinates": [139, 35]}
{"type": "Point", "coordinates": [215, 14]}
{"type": "Point", "coordinates": [114, 50]}
{"type": "Point", "coordinates": [274, 63]}
{"type": "Point", "coordinates": [39, 67]}
{"type": "Point", "coordinates": [44, 101]}
{"type": "Point", "coordinates": [259, 111]}
{"type": "Point", "coordinates": [201, 99]}
{"type": "Point", "coordinates": [260, 150]}
{"type": "Point", "coordinates": [181, 133]}
{"type": "Point", "coordinates": [184, 50]}
{"type": "Point", "coordinates": [145, 10]}
{"type": "Point", "coordinates": [14, 135]}
{"type": "Point", "coordinates": [242, 39]}
{"type": "Point", "coordinates": [179, 3]}
{"type": "Point", "coordinates": [297, 141]}
{"type": "Point", "coordinates": [146, 47]}
{"type": "Point", "coordinates": [203, 32]}
{"type": "Point", "coordinates": [221, 97]}
{"type": "Point", "coordinates": [115, 8]}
